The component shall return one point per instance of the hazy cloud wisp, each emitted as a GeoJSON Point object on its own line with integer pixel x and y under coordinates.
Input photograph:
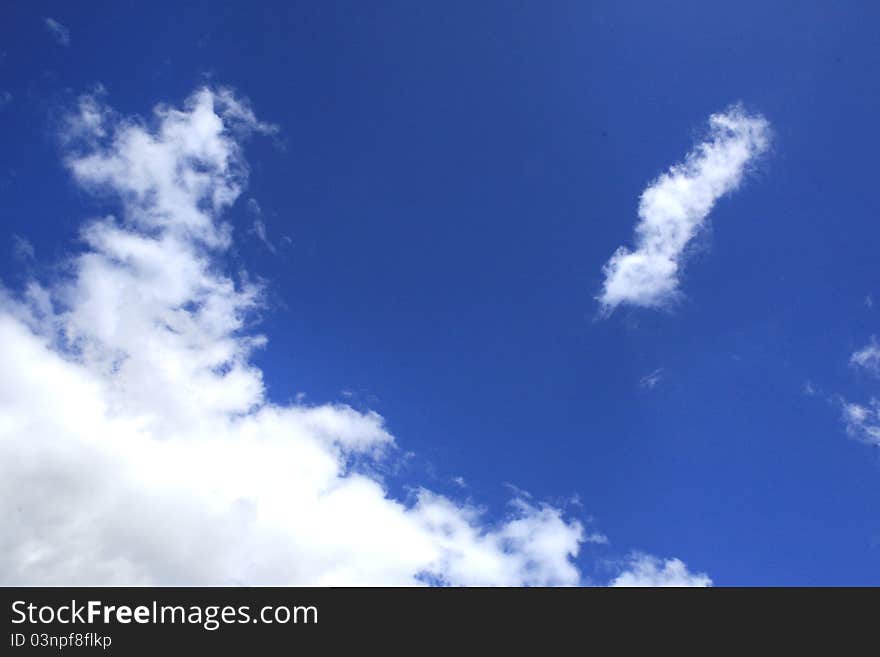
{"type": "Point", "coordinates": [58, 31]}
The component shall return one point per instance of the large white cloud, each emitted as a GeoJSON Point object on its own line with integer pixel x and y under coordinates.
{"type": "Point", "coordinates": [137, 445]}
{"type": "Point", "coordinates": [136, 442]}
{"type": "Point", "coordinates": [673, 207]}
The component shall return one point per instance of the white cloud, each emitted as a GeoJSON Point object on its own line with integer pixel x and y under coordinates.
{"type": "Point", "coordinates": [5, 99]}
{"type": "Point", "coordinates": [156, 174]}
{"type": "Point", "coordinates": [646, 570]}
{"type": "Point", "coordinates": [60, 33]}
{"type": "Point", "coordinates": [863, 421]}
{"type": "Point", "coordinates": [674, 207]}
{"type": "Point", "coordinates": [868, 357]}
{"type": "Point", "coordinates": [137, 445]}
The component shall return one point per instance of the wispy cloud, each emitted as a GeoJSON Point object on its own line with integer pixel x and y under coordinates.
{"type": "Point", "coordinates": [674, 207]}
{"type": "Point", "coordinates": [259, 226]}
{"type": "Point", "coordinates": [22, 249]}
{"type": "Point", "coordinates": [253, 207]}
{"type": "Point", "coordinates": [260, 232]}
{"type": "Point", "coordinates": [60, 33]}
{"type": "Point", "coordinates": [862, 420]}
{"type": "Point", "coordinates": [649, 381]}
{"type": "Point", "coordinates": [868, 357]}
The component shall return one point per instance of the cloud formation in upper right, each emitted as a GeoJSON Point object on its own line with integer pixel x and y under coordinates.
{"type": "Point", "coordinates": [675, 206]}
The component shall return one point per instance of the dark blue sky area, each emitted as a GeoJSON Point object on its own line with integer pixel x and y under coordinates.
{"type": "Point", "coordinates": [453, 175]}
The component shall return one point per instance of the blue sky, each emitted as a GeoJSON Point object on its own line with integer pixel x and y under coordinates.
{"type": "Point", "coordinates": [445, 185]}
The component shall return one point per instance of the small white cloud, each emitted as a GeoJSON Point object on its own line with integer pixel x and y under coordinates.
{"type": "Point", "coordinates": [863, 421]}
{"type": "Point", "coordinates": [675, 206]}
{"type": "Point", "coordinates": [869, 301]}
{"type": "Point", "coordinates": [597, 538]}
{"type": "Point", "coordinates": [649, 381]}
{"type": "Point", "coordinates": [868, 357]}
{"type": "Point", "coordinates": [58, 31]}
{"type": "Point", "coordinates": [644, 570]}
{"type": "Point", "coordinates": [5, 99]}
